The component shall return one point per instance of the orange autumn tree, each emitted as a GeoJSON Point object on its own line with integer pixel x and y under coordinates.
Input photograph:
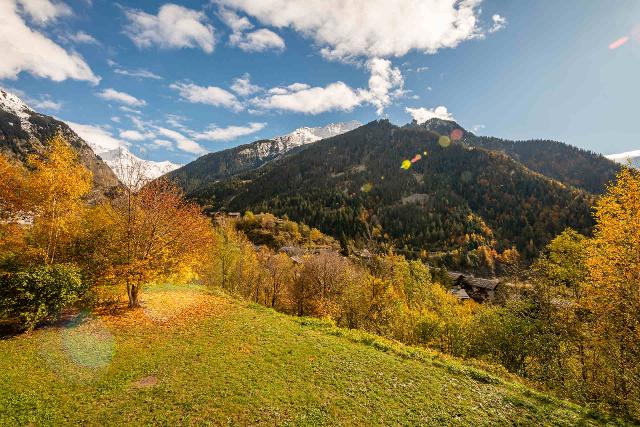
{"type": "Point", "coordinates": [613, 293]}
{"type": "Point", "coordinates": [149, 235]}
{"type": "Point", "coordinates": [14, 206]}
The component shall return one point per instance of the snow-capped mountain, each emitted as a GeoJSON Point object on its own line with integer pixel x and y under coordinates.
{"type": "Point", "coordinates": [119, 158]}
{"type": "Point", "coordinates": [21, 123]}
{"type": "Point", "coordinates": [632, 157]}
{"type": "Point", "coordinates": [226, 163]}
{"type": "Point", "coordinates": [301, 136]}
{"type": "Point", "coordinates": [24, 131]}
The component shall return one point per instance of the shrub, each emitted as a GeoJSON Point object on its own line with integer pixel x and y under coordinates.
{"type": "Point", "coordinates": [31, 296]}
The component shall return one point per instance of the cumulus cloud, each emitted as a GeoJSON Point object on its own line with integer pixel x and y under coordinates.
{"type": "Point", "coordinates": [385, 85]}
{"type": "Point", "coordinates": [243, 86]}
{"type": "Point", "coordinates": [259, 41]}
{"type": "Point", "coordinates": [421, 115]}
{"type": "Point", "coordinates": [314, 100]}
{"type": "Point", "coordinates": [249, 41]}
{"type": "Point", "coordinates": [121, 97]}
{"type": "Point", "coordinates": [26, 50]}
{"type": "Point", "coordinates": [44, 11]}
{"type": "Point", "coordinates": [211, 95]}
{"type": "Point", "coordinates": [229, 133]}
{"type": "Point", "coordinates": [499, 22]}
{"type": "Point", "coordinates": [173, 27]}
{"type": "Point", "coordinates": [370, 28]}
{"type": "Point", "coordinates": [182, 142]}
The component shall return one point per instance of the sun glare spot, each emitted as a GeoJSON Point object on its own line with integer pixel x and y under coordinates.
{"type": "Point", "coordinates": [618, 43]}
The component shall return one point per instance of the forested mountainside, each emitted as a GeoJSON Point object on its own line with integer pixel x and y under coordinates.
{"type": "Point", "coordinates": [376, 186]}
{"type": "Point", "coordinates": [568, 164]}
{"type": "Point", "coordinates": [224, 164]}
{"type": "Point", "coordinates": [24, 132]}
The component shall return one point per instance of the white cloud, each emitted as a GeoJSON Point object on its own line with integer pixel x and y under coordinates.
{"type": "Point", "coordinates": [115, 119]}
{"type": "Point", "coordinates": [371, 28]}
{"type": "Point", "coordinates": [83, 38]}
{"type": "Point", "coordinates": [230, 132]}
{"type": "Point", "coordinates": [385, 84]}
{"type": "Point", "coordinates": [314, 100]}
{"type": "Point", "coordinates": [421, 115]}
{"type": "Point", "coordinates": [477, 128]}
{"type": "Point", "coordinates": [26, 50]}
{"type": "Point", "coordinates": [162, 143]}
{"type": "Point", "coordinates": [98, 136]}
{"type": "Point", "coordinates": [173, 27]}
{"type": "Point", "coordinates": [139, 73]}
{"type": "Point", "coordinates": [44, 11]}
{"type": "Point", "coordinates": [499, 22]}
{"type": "Point", "coordinates": [259, 41]}
{"type": "Point", "coordinates": [183, 143]}
{"type": "Point", "coordinates": [243, 86]}
{"type": "Point", "coordinates": [46, 104]}
{"type": "Point", "coordinates": [384, 78]}
{"type": "Point", "coordinates": [279, 90]}
{"type": "Point", "coordinates": [121, 97]}
{"type": "Point", "coordinates": [129, 110]}
{"type": "Point", "coordinates": [254, 41]}
{"type": "Point", "coordinates": [211, 95]}
{"type": "Point", "coordinates": [295, 87]}
{"type": "Point", "coordinates": [134, 135]}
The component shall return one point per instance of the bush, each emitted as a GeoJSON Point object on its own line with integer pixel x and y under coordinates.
{"type": "Point", "coordinates": [31, 296]}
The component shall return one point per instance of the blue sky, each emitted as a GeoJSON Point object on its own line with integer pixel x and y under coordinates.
{"type": "Point", "coordinates": [175, 80]}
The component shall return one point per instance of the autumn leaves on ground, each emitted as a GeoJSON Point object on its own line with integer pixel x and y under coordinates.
{"type": "Point", "coordinates": [191, 356]}
{"type": "Point", "coordinates": [133, 307]}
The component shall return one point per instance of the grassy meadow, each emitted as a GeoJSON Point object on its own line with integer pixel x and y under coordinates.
{"type": "Point", "coordinates": [194, 357]}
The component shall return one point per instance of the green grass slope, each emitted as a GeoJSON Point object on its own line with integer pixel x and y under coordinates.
{"type": "Point", "coordinates": [191, 358]}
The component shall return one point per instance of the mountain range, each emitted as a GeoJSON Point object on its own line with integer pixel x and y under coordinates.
{"type": "Point", "coordinates": [424, 189]}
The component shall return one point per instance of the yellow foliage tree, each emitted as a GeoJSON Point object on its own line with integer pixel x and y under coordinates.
{"type": "Point", "coordinates": [613, 293]}
{"type": "Point", "coordinates": [57, 184]}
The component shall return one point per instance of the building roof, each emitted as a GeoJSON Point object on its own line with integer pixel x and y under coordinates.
{"type": "Point", "coordinates": [459, 293]}
{"type": "Point", "coordinates": [476, 282]}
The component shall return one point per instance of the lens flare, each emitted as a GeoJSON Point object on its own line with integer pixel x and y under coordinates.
{"type": "Point", "coordinates": [456, 134]}
{"type": "Point", "coordinates": [444, 141]}
{"type": "Point", "coordinates": [406, 164]}
{"type": "Point", "coordinates": [618, 43]}
{"type": "Point", "coordinates": [80, 350]}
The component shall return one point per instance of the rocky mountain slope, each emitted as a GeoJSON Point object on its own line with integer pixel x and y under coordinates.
{"type": "Point", "coordinates": [24, 131]}
{"type": "Point", "coordinates": [376, 185]}
{"type": "Point", "coordinates": [224, 164]}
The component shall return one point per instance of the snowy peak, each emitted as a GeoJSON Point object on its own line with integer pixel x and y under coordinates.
{"type": "Point", "coordinates": [12, 104]}
{"type": "Point", "coordinates": [630, 157]}
{"type": "Point", "coordinates": [273, 148]}
{"type": "Point", "coordinates": [114, 156]}
{"type": "Point", "coordinates": [307, 135]}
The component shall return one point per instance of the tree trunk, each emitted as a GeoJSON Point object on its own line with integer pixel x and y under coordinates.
{"type": "Point", "coordinates": [132, 293]}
